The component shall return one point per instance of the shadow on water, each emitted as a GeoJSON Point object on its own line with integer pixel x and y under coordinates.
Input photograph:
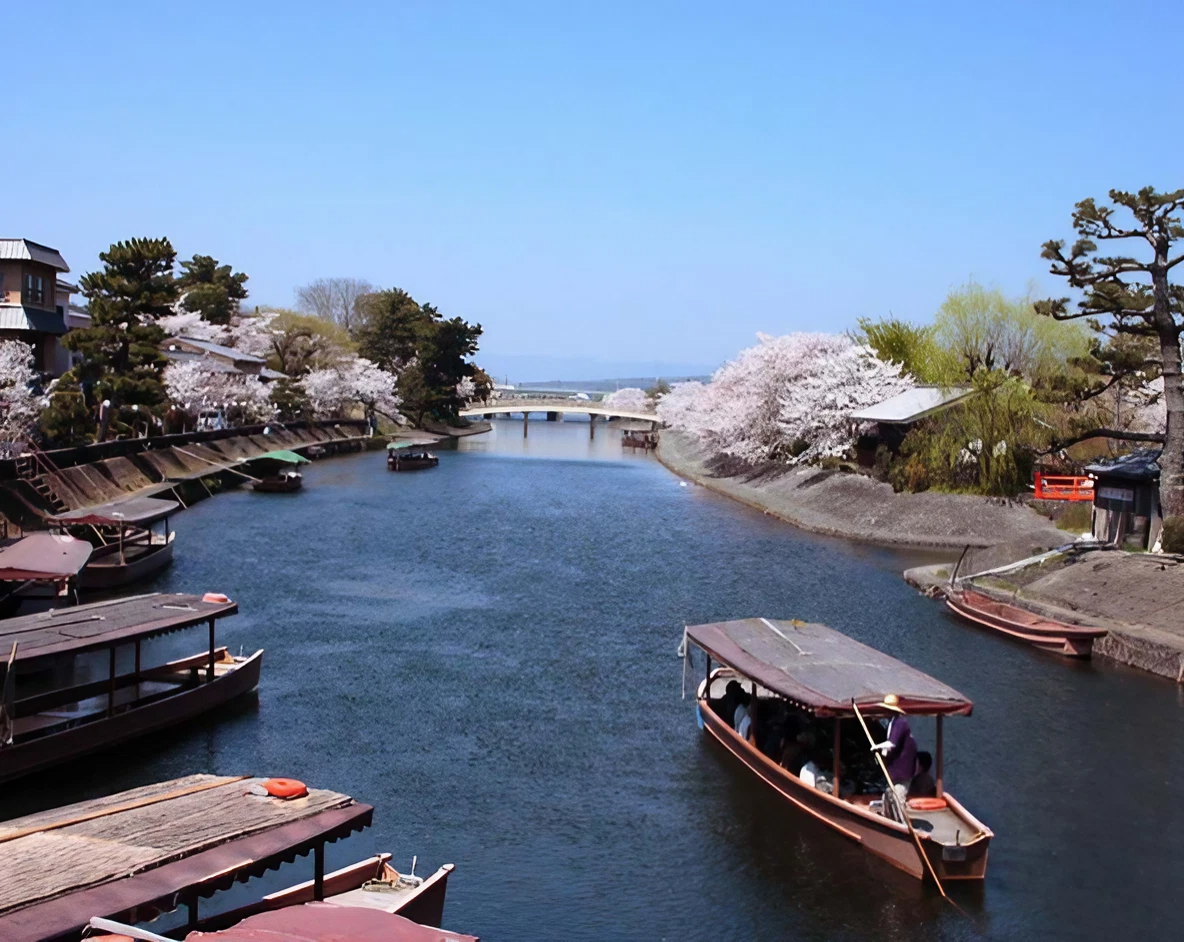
{"type": "Point", "coordinates": [485, 652]}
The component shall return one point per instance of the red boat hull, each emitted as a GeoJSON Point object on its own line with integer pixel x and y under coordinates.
{"type": "Point", "coordinates": [1044, 633]}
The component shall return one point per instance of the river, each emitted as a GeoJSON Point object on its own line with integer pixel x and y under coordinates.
{"type": "Point", "coordinates": [486, 652]}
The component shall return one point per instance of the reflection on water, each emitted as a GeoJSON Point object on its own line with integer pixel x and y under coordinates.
{"type": "Point", "coordinates": [485, 652]}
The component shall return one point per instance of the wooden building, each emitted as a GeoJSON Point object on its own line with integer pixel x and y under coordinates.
{"type": "Point", "coordinates": [1126, 500]}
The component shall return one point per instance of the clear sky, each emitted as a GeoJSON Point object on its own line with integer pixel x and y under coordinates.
{"type": "Point", "coordinates": [636, 181]}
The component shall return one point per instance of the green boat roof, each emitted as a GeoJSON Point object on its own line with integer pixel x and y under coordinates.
{"type": "Point", "coordinates": [281, 454]}
{"type": "Point", "coordinates": [410, 443]}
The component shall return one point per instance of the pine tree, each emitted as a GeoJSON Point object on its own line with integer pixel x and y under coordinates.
{"type": "Point", "coordinates": [121, 360]}
{"type": "Point", "coordinates": [211, 290]}
{"type": "Point", "coordinates": [66, 421]}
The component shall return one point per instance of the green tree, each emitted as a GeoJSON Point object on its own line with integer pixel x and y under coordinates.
{"type": "Point", "coordinates": [444, 362]}
{"type": "Point", "coordinates": [1124, 294]}
{"type": "Point", "coordinates": [66, 421]}
{"type": "Point", "coordinates": [303, 342]}
{"type": "Point", "coordinates": [394, 328]}
{"type": "Point", "coordinates": [896, 341]}
{"type": "Point", "coordinates": [660, 388]}
{"type": "Point", "coordinates": [121, 360]}
{"type": "Point", "coordinates": [211, 290]}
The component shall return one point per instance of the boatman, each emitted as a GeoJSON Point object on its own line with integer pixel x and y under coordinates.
{"type": "Point", "coordinates": [899, 749]}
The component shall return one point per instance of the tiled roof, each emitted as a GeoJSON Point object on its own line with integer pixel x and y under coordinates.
{"type": "Point", "coordinates": [217, 349]}
{"type": "Point", "coordinates": [22, 250]}
{"type": "Point", "coordinates": [19, 317]}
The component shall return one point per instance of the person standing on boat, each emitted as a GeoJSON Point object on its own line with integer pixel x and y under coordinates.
{"type": "Point", "coordinates": [899, 749]}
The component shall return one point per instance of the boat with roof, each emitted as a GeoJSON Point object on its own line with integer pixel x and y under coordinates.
{"type": "Point", "coordinates": [278, 471]}
{"type": "Point", "coordinates": [804, 687]}
{"type": "Point", "coordinates": [410, 454]}
{"type": "Point", "coordinates": [39, 570]}
{"type": "Point", "coordinates": [126, 549]}
{"type": "Point", "coordinates": [74, 680]}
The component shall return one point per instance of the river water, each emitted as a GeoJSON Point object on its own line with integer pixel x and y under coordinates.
{"type": "Point", "coordinates": [486, 652]}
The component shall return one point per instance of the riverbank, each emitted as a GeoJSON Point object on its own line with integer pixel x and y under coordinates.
{"type": "Point", "coordinates": [859, 508]}
{"type": "Point", "coordinates": [1137, 597]}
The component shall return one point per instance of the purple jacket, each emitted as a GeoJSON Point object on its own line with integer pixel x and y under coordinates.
{"type": "Point", "coordinates": [902, 757]}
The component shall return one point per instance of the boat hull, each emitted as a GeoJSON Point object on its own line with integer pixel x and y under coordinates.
{"type": "Point", "coordinates": [109, 573]}
{"type": "Point", "coordinates": [1043, 633]}
{"type": "Point", "coordinates": [879, 835]}
{"type": "Point", "coordinates": [43, 752]}
{"type": "Point", "coordinates": [411, 464]}
{"type": "Point", "coordinates": [280, 485]}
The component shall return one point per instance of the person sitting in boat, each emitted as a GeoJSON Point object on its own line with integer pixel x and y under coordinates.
{"type": "Point", "coordinates": [922, 785]}
{"type": "Point", "coordinates": [899, 749]}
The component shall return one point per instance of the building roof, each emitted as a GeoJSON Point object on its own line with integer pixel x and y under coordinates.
{"type": "Point", "coordinates": [20, 317]}
{"type": "Point", "coordinates": [208, 363]}
{"type": "Point", "coordinates": [912, 405]}
{"type": "Point", "coordinates": [1142, 464]}
{"type": "Point", "coordinates": [822, 670]}
{"type": "Point", "coordinates": [140, 852]}
{"type": "Point", "coordinates": [99, 625]}
{"type": "Point", "coordinates": [43, 557]}
{"type": "Point", "coordinates": [23, 250]}
{"type": "Point", "coordinates": [64, 285]}
{"type": "Point", "coordinates": [217, 349]}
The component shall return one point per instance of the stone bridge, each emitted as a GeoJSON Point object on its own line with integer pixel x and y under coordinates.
{"type": "Point", "coordinates": [555, 407]}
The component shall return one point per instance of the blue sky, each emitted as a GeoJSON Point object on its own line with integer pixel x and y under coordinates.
{"type": "Point", "coordinates": [593, 181]}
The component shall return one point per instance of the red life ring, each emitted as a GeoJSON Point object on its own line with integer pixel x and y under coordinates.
{"type": "Point", "coordinates": [215, 597]}
{"type": "Point", "coordinates": [927, 804]}
{"type": "Point", "coordinates": [285, 788]}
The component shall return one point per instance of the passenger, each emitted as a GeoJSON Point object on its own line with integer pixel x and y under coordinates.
{"type": "Point", "coordinates": [733, 693]}
{"type": "Point", "coordinates": [922, 785]}
{"type": "Point", "coordinates": [899, 749]}
{"type": "Point", "coordinates": [795, 753]}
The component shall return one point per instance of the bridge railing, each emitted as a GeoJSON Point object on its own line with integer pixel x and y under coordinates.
{"type": "Point", "coordinates": [539, 404]}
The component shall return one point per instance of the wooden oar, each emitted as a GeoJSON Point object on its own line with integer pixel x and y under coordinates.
{"type": "Point", "coordinates": [896, 800]}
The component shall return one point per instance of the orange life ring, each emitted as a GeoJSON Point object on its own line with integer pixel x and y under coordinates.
{"type": "Point", "coordinates": [215, 597]}
{"type": "Point", "coordinates": [285, 788]}
{"type": "Point", "coordinates": [927, 804]}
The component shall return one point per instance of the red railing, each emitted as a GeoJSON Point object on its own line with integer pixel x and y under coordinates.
{"type": "Point", "coordinates": [1063, 487]}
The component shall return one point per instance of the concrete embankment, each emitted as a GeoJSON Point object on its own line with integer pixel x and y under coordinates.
{"type": "Point", "coordinates": [1137, 597]}
{"type": "Point", "coordinates": [860, 508]}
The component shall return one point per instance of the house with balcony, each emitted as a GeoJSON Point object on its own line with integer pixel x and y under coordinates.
{"type": "Point", "coordinates": [35, 303]}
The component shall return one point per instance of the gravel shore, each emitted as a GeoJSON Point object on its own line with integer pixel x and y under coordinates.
{"type": "Point", "coordinates": [859, 508]}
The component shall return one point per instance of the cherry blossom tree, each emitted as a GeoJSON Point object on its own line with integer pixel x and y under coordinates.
{"type": "Point", "coordinates": [630, 397]}
{"type": "Point", "coordinates": [355, 381]}
{"type": "Point", "coordinates": [19, 406]}
{"type": "Point", "coordinates": [194, 385]}
{"type": "Point", "coordinates": [466, 389]}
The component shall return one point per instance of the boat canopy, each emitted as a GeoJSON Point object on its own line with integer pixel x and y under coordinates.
{"type": "Point", "coordinates": [79, 628]}
{"type": "Point", "coordinates": [822, 670]}
{"type": "Point", "coordinates": [139, 511]}
{"type": "Point", "coordinates": [281, 454]}
{"type": "Point", "coordinates": [43, 557]}
{"type": "Point", "coordinates": [150, 849]}
{"type": "Point", "coordinates": [411, 443]}
{"type": "Point", "coordinates": [330, 922]}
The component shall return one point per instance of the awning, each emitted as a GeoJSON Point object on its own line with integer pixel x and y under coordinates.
{"type": "Point", "coordinates": [136, 510]}
{"type": "Point", "coordinates": [43, 557]}
{"type": "Point", "coordinates": [281, 454]}
{"type": "Point", "coordinates": [822, 670]}
{"type": "Point", "coordinates": [411, 443]}
{"type": "Point", "coordinates": [329, 922]}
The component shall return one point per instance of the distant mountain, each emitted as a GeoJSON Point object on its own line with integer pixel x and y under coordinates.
{"type": "Point", "coordinates": [574, 372]}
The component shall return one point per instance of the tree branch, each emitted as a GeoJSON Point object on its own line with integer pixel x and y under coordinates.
{"type": "Point", "coordinates": [1114, 433]}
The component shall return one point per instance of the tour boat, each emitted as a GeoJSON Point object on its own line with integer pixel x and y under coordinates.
{"type": "Point", "coordinates": [632, 438]}
{"type": "Point", "coordinates": [410, 455]}
{"type": "Point", "coordinates": [126, 549]}
{"type": "Point", "coordinates": [282, 483]}
{"type": "Point", "coordinates": [1048, 634]}
{"type": "Point", "coordinates": [832, 680]}
{"type": "Point", "coordinates": [175, 843]}
{"type": "Point", "coordinates": [49, 714]}
{"type": "Point", "coordinates": [40, 569]}
{"type": "Point", "coordinates": [278, 471]}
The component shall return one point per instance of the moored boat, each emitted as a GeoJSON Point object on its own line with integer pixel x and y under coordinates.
{"type": "Point", "coordinates": [126, 548]}
{"type": "Point", "coordinates": [410, 455]}
{"type": "Point", "coordinates": [40, 567]}
{"type": "Point", "coordinates": [278, 471]}
{"type": "Point", "coordinates": [819, 681]}
{"type": "Point", "coordinates": [180, 842]}
{"type": "Point", "coordinates": [64, 697]}
{"type": "Point", "coordinates": [1048, 634]}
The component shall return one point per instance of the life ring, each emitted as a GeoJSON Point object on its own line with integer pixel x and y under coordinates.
{"type": "Point", "coordinates": [217, 597]}
{"type": "Point", "coordinates": [285, 788]}
{"type": "Point", "coordinates": [927, 804]}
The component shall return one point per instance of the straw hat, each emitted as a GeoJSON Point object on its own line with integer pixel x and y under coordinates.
{"type": "Point", "coordinates": [891, 702]}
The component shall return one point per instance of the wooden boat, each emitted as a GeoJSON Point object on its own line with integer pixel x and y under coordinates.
{"type": "Point", "coordinates": [41, 567]}
{"type": "Point", "coordinates": [410, 455]}
{"type": "Point", "coordinates": [51, 715]}
{"type": "Point", "coordinates": [823, 675]}
{"type": "Point", "coordinates": [176, 843]}
{"type": "Point", "coordinates": [277, 470]}
{"type": "Point", "coordinates": [1045, 633]}
{"type": "Point", "coordinates": [631, 438]}
{"type": "Point", "coordinates": [126, 549]}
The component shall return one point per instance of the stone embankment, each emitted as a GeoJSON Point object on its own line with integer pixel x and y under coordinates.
{"type": "Point", "coordinates": [1137, 597]}
{"type": "Point", "coordinates": [860, 508]}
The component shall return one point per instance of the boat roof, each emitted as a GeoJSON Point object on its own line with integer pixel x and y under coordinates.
{"type": "Point", "coordinates": [79, 628]}
{"type": "Point", "coordinates": [411, 443]}
{"type": "Point", "coordinates": [43, 557]}
{"type": "Point", "coordinates": [281, 454]}
{"type": "Point", "coordinates": [148, 848]}
{"type": "Point", "coordinates": [329, 922]}
{"type": "Point", "coordinates": [141, 510]}
{"type": "Point", "coordinates": [823, 670]}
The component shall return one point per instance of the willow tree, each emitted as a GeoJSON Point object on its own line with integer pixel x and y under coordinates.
{"type": "Point", "coordinates": [1134, 296]}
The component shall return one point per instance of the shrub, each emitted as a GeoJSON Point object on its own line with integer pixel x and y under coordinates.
{"type": "Point", "coordinates": [1172, 539]}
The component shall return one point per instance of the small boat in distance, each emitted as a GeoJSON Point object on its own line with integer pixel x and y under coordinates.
{"type": "Point", "coordinates": [126, 549]}
{"type": "Point", "coordinates": [410, 455]}
{"type": "Point", "coordinates": [813, 681]}
{"type": "Point", "coordinates": [633, 438]}
{"type": "Point", "coordinates": [278, 471]}
{"type": "Point", "coordinates": [1048, 634]}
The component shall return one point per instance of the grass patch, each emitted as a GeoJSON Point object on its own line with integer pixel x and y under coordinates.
{"type": "Point", "coordinates": [1076, 518]}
